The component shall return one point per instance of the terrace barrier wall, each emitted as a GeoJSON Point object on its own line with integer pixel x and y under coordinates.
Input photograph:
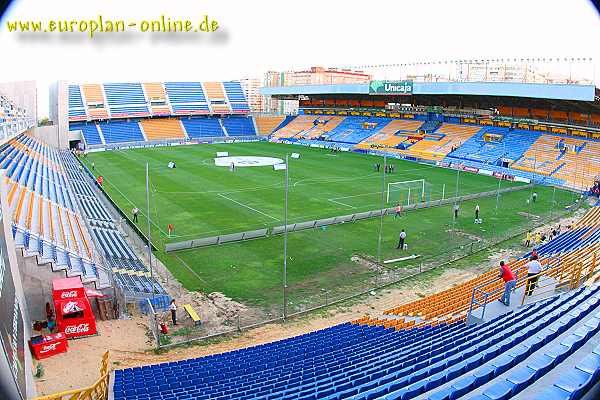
{"type": "Point", "coordinates": [318, 223]}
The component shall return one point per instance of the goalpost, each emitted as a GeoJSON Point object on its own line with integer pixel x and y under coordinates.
{"type": "Point", "coordinates": [408, 192]}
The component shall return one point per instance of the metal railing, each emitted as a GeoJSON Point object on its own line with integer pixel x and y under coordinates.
{"type": "Point", "coordinates": [97, 391]}
{"type": "Point", "coordinates": [562, 275]}
{"type": "Point", "coordinates": [486, 296]}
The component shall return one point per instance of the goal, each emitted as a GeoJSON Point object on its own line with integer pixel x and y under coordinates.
{"type": "Point", "coordinates": [408, 192]}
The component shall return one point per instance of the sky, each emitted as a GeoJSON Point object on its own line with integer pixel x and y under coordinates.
{"type": "Point", "coordinates": [254, 37]}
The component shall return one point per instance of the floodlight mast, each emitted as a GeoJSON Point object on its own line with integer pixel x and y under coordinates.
{"type": "Point", "coordinates": [285, 235]}
{"type": "Point", "coordinates": [150, 253]}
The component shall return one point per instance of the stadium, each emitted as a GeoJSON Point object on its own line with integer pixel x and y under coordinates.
{"type": "Point", "coordinates": [420, 230]}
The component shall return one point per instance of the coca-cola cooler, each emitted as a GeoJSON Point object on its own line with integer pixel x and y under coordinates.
{"type": "Point", "coordinates": [74, 314]}
{"type": "Point", "coordinates": [48, 345]}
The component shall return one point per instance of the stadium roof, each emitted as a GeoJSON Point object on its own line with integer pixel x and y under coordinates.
{"type": "Point", "coordinates": [508, 89]}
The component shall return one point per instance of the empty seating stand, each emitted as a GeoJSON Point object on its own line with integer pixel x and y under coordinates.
{"type": "Point", "coordinates": [126, 100]}
{"type": "Point", "coordinates": [266, 124]}
{"type": "Point", "coordinates": [365, 362]}
{"type": "Point", "coordinates": [356, 129]}
{"type": "Point", "coordinates": [128, 271]}
{"type": "Point", "coordinates": [513, 145]}
{"type": "Point", "coordinates": [236, 97]}
{"type": "Point", "coordinates": [93, 96]}
{"type": "Point", "coordinates": [186, 98]}
{"type": "Point", "coordinates": [155, 93]}
{"type": "Point", "coordinates": [90, 132]}
{"type": "Point", "coordinates": [45, 217]}
{"type": "Point", "coordinates": [163, 128]}
{"type": "Point", "coordinates": [239, 126]}
{"type": "Point", "coordinates": [76, 107]}
{"type": "Point", "coordinates": [202, 127]}
{"type": "Point", "coordinates": [121, 131]}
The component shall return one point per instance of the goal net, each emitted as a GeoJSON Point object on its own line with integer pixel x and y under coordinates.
{"type": "Point", "coordinates": [408, 192]}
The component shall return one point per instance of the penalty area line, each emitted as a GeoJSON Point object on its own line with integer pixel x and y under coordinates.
{"type": "Point", "coordinates": [340, 203]}
{"type": "Point", "coordinates": [248, 207]}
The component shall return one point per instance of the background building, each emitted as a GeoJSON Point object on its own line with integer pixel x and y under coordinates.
{"type": "Point", "coordinates": [22, 94]}
{"type": "Point", "coordinates": [312, 76]}
{"type": "Point", "coordinates": [251, 87]}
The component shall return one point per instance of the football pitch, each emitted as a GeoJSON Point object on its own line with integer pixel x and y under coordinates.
{"type": "Point", "coordinates": [200, 199]}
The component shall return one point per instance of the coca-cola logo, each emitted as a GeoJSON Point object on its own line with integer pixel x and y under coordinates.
{"type": "Point", "coordinates": [48, 347]}
{"type": "Point", "coordinates": [68, 295]}
{"type": "Point", "coordinates": [73, 329]}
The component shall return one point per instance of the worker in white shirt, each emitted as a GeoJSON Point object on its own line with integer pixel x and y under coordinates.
{"type": "Point", "coordinates": [477, 220]}
{"type": "Point", "coordinates": [533, 269]}
{"type": "Point", "coordinates": [173, 309]}
{"type": "Point", "coordinates": [401, 240]}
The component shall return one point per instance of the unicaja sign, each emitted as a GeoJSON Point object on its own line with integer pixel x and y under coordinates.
{"type": "Point", "coordinates": [75, 329]}
{"type": "Point", "coordinates": [391, 87]}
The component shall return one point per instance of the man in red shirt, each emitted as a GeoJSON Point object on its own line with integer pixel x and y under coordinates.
{"type": "Point", "coordinates": [510, 281]}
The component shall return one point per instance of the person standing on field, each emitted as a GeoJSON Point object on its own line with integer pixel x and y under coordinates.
{"type": "Point", "coordinates": [398, 210]}
{"type": "Point", "coordinates": [401, 240]}
{"type": "Point", "coordinates": [135, 211]}
{"type": "Point", "coordinates": [456, 208]}
{"type": "Point", "coordinates": [477, 214]}
{"type": "Point", "coordinates": [173, 309]}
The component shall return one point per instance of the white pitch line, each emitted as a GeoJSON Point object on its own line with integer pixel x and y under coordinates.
{"type": "Point", "coordinates": [339, 202]}
{"type": "Point", "coordinates": [354, 195]}
{"type": "Point", "coordinates": [248, 207]}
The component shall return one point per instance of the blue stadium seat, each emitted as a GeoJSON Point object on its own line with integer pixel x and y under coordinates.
{"type": "Point", "coordinates": [202, 127]}
{"type": "Point", "coordinates": [117, 131]}
{"type": "Point", "coordinates": [126, 99]}
{"type": "Point", "coordinates": [239, 126]}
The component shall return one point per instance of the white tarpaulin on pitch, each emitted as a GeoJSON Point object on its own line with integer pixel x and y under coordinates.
{"type": "Point", "coordinates": [247, 161]}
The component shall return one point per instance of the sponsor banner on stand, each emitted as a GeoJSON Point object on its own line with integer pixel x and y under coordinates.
{"type": "Point", "coordinates": [390, 87]}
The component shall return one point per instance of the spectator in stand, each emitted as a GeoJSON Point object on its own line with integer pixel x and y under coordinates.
{"type": "Point", "coordinates": [528, 239]}
{"type": "Point", "coordinates": [510, 282]}
{"type": "Point", "coordinates": [533, 269]}
{"type": "Point", "coordinates": [534, 252]}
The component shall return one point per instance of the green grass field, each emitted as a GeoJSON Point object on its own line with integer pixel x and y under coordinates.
{"type": "Point", "coordinates": [201, 199]}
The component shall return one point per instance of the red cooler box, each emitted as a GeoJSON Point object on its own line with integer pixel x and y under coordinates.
{"type": "Point", "coordinates": [48, 345]}
{"type": "Point", "coordinates": [74, 314]}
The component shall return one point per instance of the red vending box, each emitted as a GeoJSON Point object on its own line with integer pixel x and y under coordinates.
{"type": "Point", "coordinates": [48, 345]}
{"type": "Point", "coordinates": [74, 314]}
